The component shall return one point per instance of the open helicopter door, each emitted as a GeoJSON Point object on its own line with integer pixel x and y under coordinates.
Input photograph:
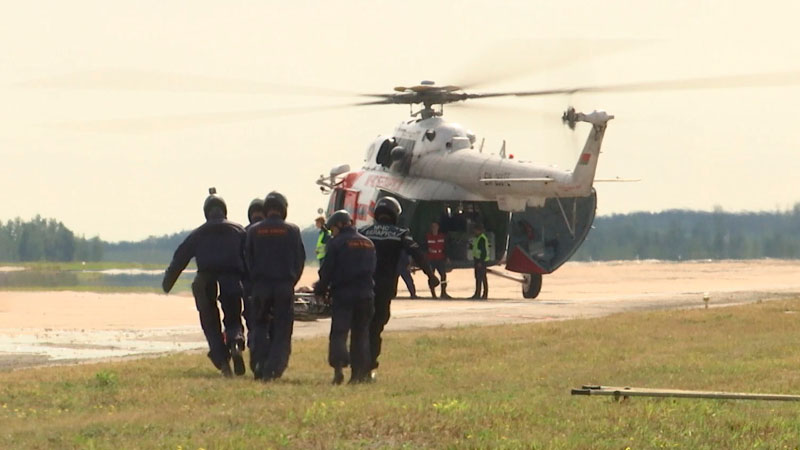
{"type": "Point", "coordinates": [543, 238]}
{"type": "Point", "coordinates": [343, 199]}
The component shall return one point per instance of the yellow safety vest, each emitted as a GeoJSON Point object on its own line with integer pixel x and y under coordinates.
{"type": "Point", "coordinates": [320, 250]}
{"type": "Point", "coordinates": [476, 253]}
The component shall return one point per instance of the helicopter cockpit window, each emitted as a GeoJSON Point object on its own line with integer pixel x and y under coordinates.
{"type": "Point", "coordinates": [384, 153]}
{"type": "Point", "coordinates": [458, 143]}
{"type": "Point", "coordinates": [407, 144]}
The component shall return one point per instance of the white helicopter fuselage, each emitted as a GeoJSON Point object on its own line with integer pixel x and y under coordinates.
{"type": "Point", "coordinates": [434, 160]}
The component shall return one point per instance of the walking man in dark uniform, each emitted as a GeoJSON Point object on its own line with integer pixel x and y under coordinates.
{"type": "Point", "coordinates": [480, 256]}
{"type": "Point", "coordinates": [347, 272]}
{"type": "Point", "coordinates": [255, 214]}
{"type": "Point", "coordinates": [217, 248]}
{"type": "Point", "coordinates": [389, 240]}
{"type": "Point", "coordinates": [404, 270]}
{"type": "Point", "coordinates": [275, 258]}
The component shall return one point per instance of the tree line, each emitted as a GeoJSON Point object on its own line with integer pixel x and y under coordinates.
{"type": "Point", "coordinates": [680, 235]}
{"type": "Point", "coordinates": [670, 235]}
{"type": "Point", "coordinates": [159, 249]}
{"type": "Point", "coordinates": [45, 240]}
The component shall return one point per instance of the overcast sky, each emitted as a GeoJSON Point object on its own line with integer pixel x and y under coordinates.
{"type": "Point", "coordinates": [734, 148]}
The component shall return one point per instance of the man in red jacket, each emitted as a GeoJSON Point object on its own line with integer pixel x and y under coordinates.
{"type": "Point", "coordinates": [435, 242]}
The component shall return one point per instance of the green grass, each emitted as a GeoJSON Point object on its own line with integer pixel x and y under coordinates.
{"type": "Point", "coordinates": [491, 387]}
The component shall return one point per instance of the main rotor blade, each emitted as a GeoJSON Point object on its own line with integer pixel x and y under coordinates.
{"type": "Point", "coordinates": [140, 80]}
{"type": "Point", "coordinates": [720, 82]}
{"type": "Point", "coordinates": [515, 59]}
{"type": "Point", "coordinates": [507, 110]}
{"type": "Point", "coordinates": [182, 121]}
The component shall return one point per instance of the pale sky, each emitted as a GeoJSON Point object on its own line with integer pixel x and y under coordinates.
{"type": "Point", "coordinates": [735, 148]}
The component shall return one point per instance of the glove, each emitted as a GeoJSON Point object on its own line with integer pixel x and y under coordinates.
{"type": "Point", "coordinates": [433, 281]}
{"type": "Point", "coordinates": [168, 281]}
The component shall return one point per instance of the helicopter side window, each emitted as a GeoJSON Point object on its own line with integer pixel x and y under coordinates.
{"type": "Point", "coordinates": [384, 153]}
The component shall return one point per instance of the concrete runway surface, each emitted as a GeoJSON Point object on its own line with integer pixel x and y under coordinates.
{"type": "Point", "coordinates": [44, 328]}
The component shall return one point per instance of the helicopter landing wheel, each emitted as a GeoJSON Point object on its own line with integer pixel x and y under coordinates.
{"type": "Point", "coordinates": [532, 285]}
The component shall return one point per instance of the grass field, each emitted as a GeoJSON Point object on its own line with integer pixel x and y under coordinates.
{"type": "Point", "coordinates": [493, 387]}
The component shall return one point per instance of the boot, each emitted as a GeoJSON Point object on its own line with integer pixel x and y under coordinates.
{"type": "Point", "coordinates": [237, 347]}
{"type": "Point", "coordinates": [433, 293]}
{"type": "Point", "coordinates": [222, 365]}
{"type": "Point", "coordinates": [477, 294]}
{"type": "Point", "coordinates": [226, 370]}
{"type": "Point", "coordinates": [445, 295]}
{"type": "Point", "coordinates": [338, 376]}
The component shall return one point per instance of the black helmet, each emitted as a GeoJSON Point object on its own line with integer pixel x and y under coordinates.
{"type": "Point", "coordinates": [338, 217]}
{"type": "Point", "coordinates": [214, 201]}
{"type": "Point", "coordinates": [276, 200]}
{"type": "Point", "coordinates": [256, 205]}
{"type": "Point", "coordinates": [388, 206]}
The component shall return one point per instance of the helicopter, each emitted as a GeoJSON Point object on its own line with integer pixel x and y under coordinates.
{"type": "Point", "coordinates": [536, 216]}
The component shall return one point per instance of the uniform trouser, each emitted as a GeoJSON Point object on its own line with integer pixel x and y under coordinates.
{"type": "Point", "coordinates": [480, 279]}
{"type": "Point", "coordinates": [383, 302]}
{"type": "Point", "coordinates": [351, 315]}
{"type": "Point", "coordinates": [440, 266]}
{"type": "Point", "coordinates": [273, 322]}
{"type": "Point", "coordinates": [204, 289]}
{"type": "Point", "coordinates": [249, 310]}
{"type": "Point", "coordinates": [405, 274]}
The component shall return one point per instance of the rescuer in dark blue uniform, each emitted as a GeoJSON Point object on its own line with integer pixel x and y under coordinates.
{"type": "Point", "coordinates": [347, 272]}
{"type": "Point", "coordinates": [275, 258]}
{"type": "Point", "coordinates": [389, 240]}
{"type": "Point", "coordinates": [217, 248]}
{"type": "Point", "coordinates": [255, 214]}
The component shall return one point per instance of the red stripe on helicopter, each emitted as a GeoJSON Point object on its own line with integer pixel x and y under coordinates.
{"type": "Point", "coordinates": [585, 158]}
{"type": "Point", "coordinates": [350, 179]}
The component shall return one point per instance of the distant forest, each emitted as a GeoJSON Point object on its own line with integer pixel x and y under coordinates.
{"type": "Point", "coordinates": [670, 235]}
{"type": "Point", "coordinates": [680, 235]}
{"type": "Point", "coordinates": [46, 240]}
{"type": "Point", "coordinates": [159, 249]}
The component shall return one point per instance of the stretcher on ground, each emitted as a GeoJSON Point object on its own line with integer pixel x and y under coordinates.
{"type": "Point", "coordinates": [309, 307]}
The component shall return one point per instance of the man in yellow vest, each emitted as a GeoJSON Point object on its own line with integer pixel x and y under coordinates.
{"type": "Point", "coordinates": [322, 239]}
{"type": "Point", "coordinates": [480, 256]}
